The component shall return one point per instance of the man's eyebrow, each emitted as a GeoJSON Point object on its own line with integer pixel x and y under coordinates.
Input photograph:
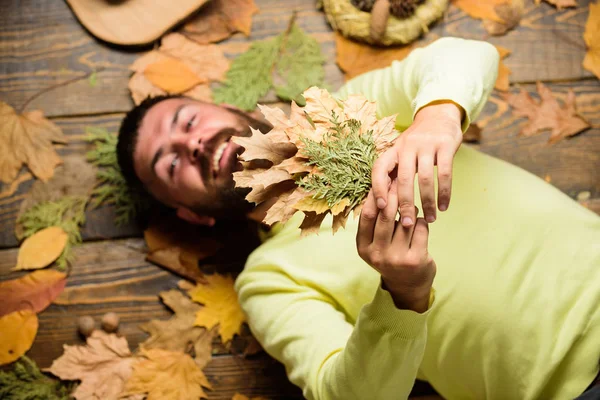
{"type": "Point", "coordinates": [176, 117]}
{"type": "Point", "coordinates": [161, 150]}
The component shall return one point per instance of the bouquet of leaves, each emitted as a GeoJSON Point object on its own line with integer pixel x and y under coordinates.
{"type": "Point", "coordinates": [318, 160]}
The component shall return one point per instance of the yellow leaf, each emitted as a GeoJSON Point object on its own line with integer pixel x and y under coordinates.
{"type": "Point", "coordinates": [172, 76]}
{"type": "Point", "coordinates": [42, 248]}
{"type": "Point", "coordinates": [221, 306]}
{"type": "Point", "coordinates": [309, 203]}
{"type": "Point", "coordinates": [340, 206]}
{"type": "Point", "coordinates": [27, 139]}
{"type": "Point", "coordinates": [481, 9]}
{"type": "Point", "coordinates": [502, 81]}
{"type": "Point", "coordinates": [591, 62]}
{"type": "Point", "coordinates": [18, 332]}
{"type": "Point", "coordinates": [167, 375]}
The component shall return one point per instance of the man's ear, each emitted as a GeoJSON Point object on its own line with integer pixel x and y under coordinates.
{"type": "Point", "coordinates": [188, 215]}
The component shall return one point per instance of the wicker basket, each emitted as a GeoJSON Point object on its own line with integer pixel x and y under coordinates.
{"type": "Point", "coordinates": [355, 24]}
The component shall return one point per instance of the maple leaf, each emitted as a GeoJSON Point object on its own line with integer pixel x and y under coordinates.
{"type": "Point", "coordinates": [172, 76]}
{"type": "Point", "coordinates": [219, 19]}
{"type": "Point", "coordinates": [179, 332]}
{"type": "Point", "coordinates": [102, 365]}
{"type": "Point", "coordinates": [18, 332]}
{"type": "Point", "coordinates": [502, 82]}
{"type": "Point", "coordinates": [560, 4]}
{"type": "Point", "coordinates": [355, 58]}
{"type": "Point", "coordinates": [167, 375]}
{"type": "Point", "coordinates": [42, 248]}
{"type": "Point", "coordinates": [259, 146]}
{"type": "Point", "coordinates": [221, 306]}
{"type": "Point", "coordinates": [206, 62]}
{"type": "Point", "coordinates": [34, 291]}
{"type": "Point", "coordinates": [591, 62]}
{"type": "Point", "coordinates": [27, 139]}
{"type": "Point", "coordinates": [481, 9]}
{"type": "Point", "coordinates": [509, 13]}
{"type": "Point", "coordinates": [547, 114]}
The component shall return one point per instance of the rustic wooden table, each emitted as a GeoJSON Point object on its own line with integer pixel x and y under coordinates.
{"type": "Point", "coordinates": [44, 50]}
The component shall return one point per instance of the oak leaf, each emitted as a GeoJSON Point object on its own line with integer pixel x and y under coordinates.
{"type": "Point", "coordinates": [34, 291]}
{"type": "Point", "coordinates": [103, 366]}
{"type": "Point", "coordinates": [207, 62]}
{"type": "Point", "coordinates": [591, 62]}
{"type": "Point", "coordinates": [18, 332]}
{"type": "Point", "coordinates": [502, 81]}
{"type": "Point", "coordinates": [42, 248]}
{"type": "Point", "coordinates": [355, 58]}
{"type": "Point", "coordinates": [479, 9]}
{"type": "Point", "coordinates": [221, 306]}
{"type": "Point", "coordinates": [172, 76]}
{"type": "Point", "coordinates": [27, 139]}
{"type": "Point", "coordinates": [179, 333]}
{"type": "Point", "coordinates": [219, 19]}
{"type": "Point", "coordinates": [547, 114]}
{"type": "Point", "coordinates": [167, 375]}
{"type": "Point", "coordinates": [560, 4]}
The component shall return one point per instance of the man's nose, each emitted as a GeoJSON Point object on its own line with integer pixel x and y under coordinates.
{"type": "Point", "coordinates": [191, 146]}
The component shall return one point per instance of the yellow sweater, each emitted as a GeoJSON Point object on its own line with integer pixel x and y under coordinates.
{"type": "Point", "coordinates": [517, 289]}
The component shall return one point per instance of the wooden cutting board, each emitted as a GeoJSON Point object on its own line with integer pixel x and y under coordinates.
{"type": "Point", "coordinates": [131, 22]}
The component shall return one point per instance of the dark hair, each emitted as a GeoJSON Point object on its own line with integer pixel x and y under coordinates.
{"type": "Point", "coordinates": [128, 137]}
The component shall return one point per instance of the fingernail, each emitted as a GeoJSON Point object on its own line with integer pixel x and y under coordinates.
{"type": "Point", "coordinates": [443, 207]}
{"type": "Point", "coordinates": [430, 219]}
{"type": "Point", "coordinates": [380, 202]}
{"type": "Point", "coordinates": [407, 221]}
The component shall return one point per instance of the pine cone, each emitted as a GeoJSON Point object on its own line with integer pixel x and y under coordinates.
{"type": "Point", "coordinates": [363, 5]}
{"type": "Point", "coordinates": [404, 8]}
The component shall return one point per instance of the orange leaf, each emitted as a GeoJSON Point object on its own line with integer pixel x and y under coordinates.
{"type": "Point", "coordinates": [42, 248]}
{"type": "Point", "coordinates": [221, 306]}
{"type": "Point", "coordinates": [481, 9]}
{"type": "Point", "coordinates": [502, 82]}
{"type": "Point", "coordinates": [34, 291]}
{"type": "Point", "coordinates": [591, 62]}
{"type": "Point", "coordinates": [547, 114]}
{"type": "Point", "coordinates": [172, 76]}
{"type": "Point", "coordinates": [27, 139]}
{"type": "Point", "coordinates": [219, 19]}
{"type": "Point", "coordinates": [18, 332]}
{"type": "Point", "coordinates": [356, 58]}
{"type": "Point", "coordinates": [560, 4]}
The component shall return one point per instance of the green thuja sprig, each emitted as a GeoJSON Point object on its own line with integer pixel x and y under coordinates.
{"type": "Point", "coordinates": [27, 382]}
{"type": "Point", "coordinates": [345, 158]}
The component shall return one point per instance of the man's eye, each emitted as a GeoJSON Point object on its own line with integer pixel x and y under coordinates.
{"type": "Point", "coordinates": [190, 124]}
{"type": "Point", "coordinates": [174, 163]}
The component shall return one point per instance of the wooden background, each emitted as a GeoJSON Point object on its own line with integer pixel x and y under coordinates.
{"type": "Point", "coordinates": [42, 47]}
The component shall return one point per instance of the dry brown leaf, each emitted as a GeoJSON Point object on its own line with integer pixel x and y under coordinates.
{"type": "Point", "coordinates": [311, 223]}
{"type": "Point", "coordinates": [547, 114]}
{"type": "Point", "coordinates": [339, 220]}
{"type": "Point", "coordinates": [560, 4]}
{"type": "Point", "coordinates": [207, 62]}
{"type": "Point", "coordinates": [172, 76]}
{"type": "Point", "coordinates": [27, 139]}
{"type": "Point", "coordinates": [167, 375]}
{"type": "Point", "coordinates": [310, 204]}
{"type": "Point", "coordinates": [103, 366]}
{"type": "Point", "coordinates": [219, 19]}
{"type": "Point", "coordinates": [179, 333]}
{"type": "Point", "coordinates": [221, 306]}
{"type": "Point", "coordinates": [283, 208]}
{"type": "Point", "coordinates": [509, 13]}
{"type": "Point", "coordinates": [18, 332]}
{"type": "Point", "coordinates": [239, 396]}
{"type": "Point", "coordinates": [259, 146]}
{"type": "Point", "coordinates": [42, 248]}
{"type": "Point", "coordinates": [503, 82]}
{"type": "Point", "coordinates": [591, 62]}
{"type": "Point", "coordinates": [481, 9]}
{"type": "Point", "coordinates": [34, 291]}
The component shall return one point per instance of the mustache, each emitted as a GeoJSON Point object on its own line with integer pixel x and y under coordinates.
{"type": "Point", "coordinates": [207, 155]}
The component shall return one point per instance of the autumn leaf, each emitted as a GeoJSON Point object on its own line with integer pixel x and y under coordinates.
{"type": "Point", "coordinates": [258, 146]}
{"type": "Point", "coordinates": [103, 366]}
{"type": "Point", "coordinates": [179, 333]}
{"type": "Point", "coordinates": [502, 82]}
{"type": "Point", "coordinates": [167, 375]}
{"type": "Point", "coordinates": [239, 396]}
{"type": "Point", "coordinates": [205, 62]}
{"type": "Point", "coordinates": [172, 76]}
{"type": "Point", "coordinates": [560, 4]}
{"type": "Point", "coordinates": [509, 13]}
{"type": "Point", "coordinates": [42, 248]}
{"type": "Point", "coordinates": [18, 332]}
{"type": "Point", "coordinates": [221, 306]}
{"type": "Point", "coordinates": [34, 291]}
{"type": "Point", "coordinates": [27, 139]}
{"type": "Point", "coordinates": [219, 19]}
{"type": "Point", "coordinates": [591, 62]}
{"type": "Point", "coordinates": [481, 9]}
{"type": "Point", "coordinates": [355, 58]}
{"type": "Point", "coordinates": [547, 114]}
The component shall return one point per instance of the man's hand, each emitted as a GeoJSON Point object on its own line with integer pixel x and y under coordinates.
{"type": "Point", "coordinates": [398, 253]}
{"type": "Point", "coordinates": [432, 139]}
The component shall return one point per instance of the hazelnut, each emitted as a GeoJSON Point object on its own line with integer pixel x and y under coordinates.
{"type": "Point", "coordinates": [110, 322]}
{"type": "Point", "coordinates": [86, 325]}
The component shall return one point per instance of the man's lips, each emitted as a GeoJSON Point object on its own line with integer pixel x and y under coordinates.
{"type": "Point", "coordinates": [224, 159]}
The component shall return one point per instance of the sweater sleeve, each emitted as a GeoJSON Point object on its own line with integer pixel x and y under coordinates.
{"type": "Point", "coordinates": [323, 352]}
{"type": "Point", "coordinates": [459, 70]}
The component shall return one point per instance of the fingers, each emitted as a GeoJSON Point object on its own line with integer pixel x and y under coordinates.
{"type": "Point", "coordinates": [403, 235]}
{"type": "Point", "coordinates": [380, 176]}
{"type": "Point", "coordinates": [366, 223]}
{"type": "Point", "coordinates": [406, 181]}
{"type": "Point", "coordinates": [420, 237]}
{"type": "Point", "coordinates": [386, 221]}
{"type": "Point", "coordinates": [426, 186]}
{"type": "Point", "coordinates": [444, 173]}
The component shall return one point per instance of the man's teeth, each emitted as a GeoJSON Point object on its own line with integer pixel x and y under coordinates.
{"type": "Point", "coordinates": [217, 156]}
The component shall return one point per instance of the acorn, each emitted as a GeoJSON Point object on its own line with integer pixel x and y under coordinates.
{"type": "Point", "coordinates": [110, 322]}
{"type": "Point", "coordinates": [85, 325]}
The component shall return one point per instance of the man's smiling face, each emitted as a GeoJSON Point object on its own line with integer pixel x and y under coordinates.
{"type": "Point", "coordinates": [184, 155]}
